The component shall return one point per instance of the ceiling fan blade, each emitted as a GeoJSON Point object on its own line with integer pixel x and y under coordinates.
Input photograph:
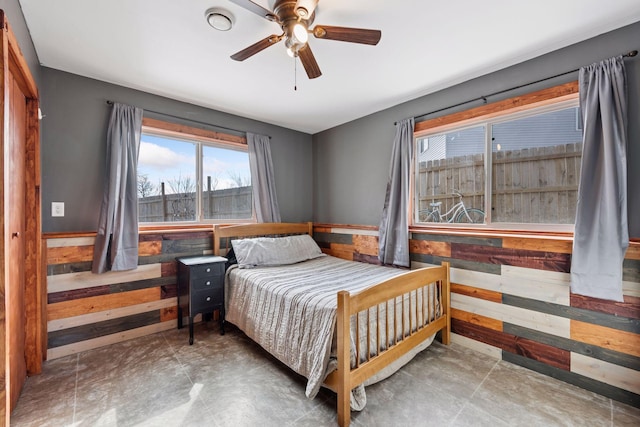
{"type": "Point", "coordinates": [256, 8]}
{"type": "Point", "coordinates": [345, 34]}
{"type": "Point", "coordinates": [309, 62]}
{"type": "Point", "coordinates": [256, 47]}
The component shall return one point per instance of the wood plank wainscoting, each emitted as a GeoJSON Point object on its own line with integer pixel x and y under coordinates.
{"type": "Point", "coordinates": [86, 310]}
{"type": "Point", "coordinates": [511, 299]}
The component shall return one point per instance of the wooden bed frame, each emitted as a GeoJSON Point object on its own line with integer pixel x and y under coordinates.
{"type": "Point", "coordinates": [345, 378]}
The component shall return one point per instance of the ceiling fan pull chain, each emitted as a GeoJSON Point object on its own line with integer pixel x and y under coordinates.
{"type": "Point", "coordinates": [295, 73]}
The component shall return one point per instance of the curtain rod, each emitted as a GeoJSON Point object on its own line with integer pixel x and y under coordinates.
{"type": "Point", "coordinates": [109, 102]}
{"type": "Point", "coordinates": [484, 98]}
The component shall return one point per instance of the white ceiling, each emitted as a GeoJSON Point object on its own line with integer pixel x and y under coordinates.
{"type": "Point", "coordinates": [166, 47]}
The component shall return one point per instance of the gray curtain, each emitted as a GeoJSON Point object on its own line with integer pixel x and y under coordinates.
{"type": "Point", "coordinates": [262, 179]}
{"type": "Point", "coordinates": [601, 232]}
{"type": "Point", "coordinates": [393, 245]}
{"type": "Point", "coordinates": [116, 246]}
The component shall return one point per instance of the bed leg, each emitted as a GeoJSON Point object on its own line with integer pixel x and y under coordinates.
{"type": "Point", "coordinates": [344, 359]}
{"type": "Point", "coordinates": [446, 302]}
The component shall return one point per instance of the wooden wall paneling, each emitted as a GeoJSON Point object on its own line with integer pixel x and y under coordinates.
{"type": "Point", "coordinates": [366, 245]}
{"type": "Point", "coordinates": [629, 308]}
{"type": "Point", "coordinates": [339, 250]}
{"type": "Point", "coordinates": [478, 346]}
{"type": "Point", "coordinates": [73, 294]}
{"type": "Point", "coordinates": [449, 237]}
{"type": "Point", "coordinates": [476, 292]}
{"type": "Point", "coordinates": [95, 304]}
{"type": "Point", "coordinates": [69, 254]}
{"type": "Point", "coordinates": [631, 270]}
{"type": "Point", "coordinates": [66, 350]}
{"type": "Point", "coordinates": [538, 244]}
{"type": "Point", "coordinates": [152, 247]}
{"type": "Point", "coordinates": [169, 313]}
{"type": "Point", "coordinates": [58, 242]}
{"type": "Point", "coordinates": [99, 329]}
{"type": "Point", "coordinates": [546, 354]}
{"type": "Point", "coordinates": [141, 284]}
{"type": "Point", "coordinates": [539, 260]}
{"type": "Point", "coordinates": [613, 339]}
{"type": "Point", "coordinates": [101, 316]}
{"type": "Point", "coordinates": [594, 351]}
{"type": "Point", "coordinates": [477, 279]}
{"type": "Point", "coordinates": [477, 319]}
{"type": "Point", "coordinates": [369, 259]}
{"type": "Point", "coordinates": [618, 376]}
{"type": "Point", "coordinates": [43, 291]}
{"type": "Point", "coordinates": [457, 263]}
{"type": "Point", "coordinates": [74, 267]}
{"type": "Point", "coordinates": [345, 239]}
{"type": "Point", "coordinates": [542, 285]}
{"type": "Point", "coordinates": [633, 251]}
{"type": "Point", "coordinates": [544, 322]}
{"type": "Point", "coordinates": [429, 247]}
{"type": "Point", "coordinates": [169, 269]}
{"type": "Point", "coordinates": [631, 288]}
{"type": "Point", "coordinates": [86, 279]}
{"type": "Point", "coordinates": [486, 335]}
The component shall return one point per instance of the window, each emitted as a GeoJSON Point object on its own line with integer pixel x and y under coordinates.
{"type": "Point", "coordinates": [187, 174]}
{"type": "Point", "coordinates": [509, 168]}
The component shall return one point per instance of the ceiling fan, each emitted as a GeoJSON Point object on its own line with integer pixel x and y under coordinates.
{"type": "Point", "coordinates": [295, 18]}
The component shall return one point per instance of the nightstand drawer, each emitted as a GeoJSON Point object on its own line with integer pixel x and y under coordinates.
{"type": "Point", "coordinates": [207, 299]}
{"type": "Point", "coordinates": [207, 270]}
{"type": "Point", "coordinates": [207, 282]}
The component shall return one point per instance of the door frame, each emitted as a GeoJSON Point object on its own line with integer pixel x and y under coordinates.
{"type": "Point", "coordinates": [12, 61]}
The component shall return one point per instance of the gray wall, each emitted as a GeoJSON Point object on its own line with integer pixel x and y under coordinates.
{"type": "Point", "coordinates": [74, 146]}
{"type": "Point", "coordinates": [351, 161]}
{"type": "Point", "coordinates": [13, 11]}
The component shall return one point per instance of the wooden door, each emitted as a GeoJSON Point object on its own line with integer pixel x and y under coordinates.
{"type": "Point", "coordinates": [22, 290]}
{"type": "Point", "coordinates": [15, 288]}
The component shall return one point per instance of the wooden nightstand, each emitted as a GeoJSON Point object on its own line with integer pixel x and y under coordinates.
{"type": "Point", "coordinates": [200, 288]}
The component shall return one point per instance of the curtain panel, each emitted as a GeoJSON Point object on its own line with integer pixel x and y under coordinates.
{"type": "Point", "coordinates": [393, 244]}
{"type": "Point", "coordinates": [116, 246]}
{"type": "Point", "coordinates": [601, 234]}
{"type": "Point", "coordinates": [263, 182]}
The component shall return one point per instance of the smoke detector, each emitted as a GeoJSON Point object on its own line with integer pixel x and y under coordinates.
{"type": "Point", "coordinates": [220, 19]}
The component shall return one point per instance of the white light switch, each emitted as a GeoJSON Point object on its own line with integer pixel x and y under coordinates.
{"type": "Point", "coordinates": [57, 208]}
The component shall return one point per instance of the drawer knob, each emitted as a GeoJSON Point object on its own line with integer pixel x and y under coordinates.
{"type": "Point", "coordinates": [208, 270]}
{"type": "Point", "coordinates": [208, 298]}
{"type": "Point", "coordinates": [208, 282]}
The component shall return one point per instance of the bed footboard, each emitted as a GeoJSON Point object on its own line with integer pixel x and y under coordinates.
{"type": "Point", "coordinates": [425, 318]}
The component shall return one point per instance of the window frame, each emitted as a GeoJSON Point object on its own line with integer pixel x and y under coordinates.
{"type": "Point", "coordinates": [200, 137]}
{"type": "Point", "coordinates": [539, 102]}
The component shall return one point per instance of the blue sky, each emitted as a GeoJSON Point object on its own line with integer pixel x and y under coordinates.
{"type": "Point", "coordinates": [164, 159]}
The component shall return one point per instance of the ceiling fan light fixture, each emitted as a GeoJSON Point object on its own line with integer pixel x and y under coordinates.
{"type": "Point", "coordinates": [305, 8]}
{"type": "Point", "coordinates": [219, 19]}
{"type": "Point", "coordinates": [300, 33]}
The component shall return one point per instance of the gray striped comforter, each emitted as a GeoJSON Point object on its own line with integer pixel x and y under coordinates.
{"type": "Point", "coordinates": [291, 310]}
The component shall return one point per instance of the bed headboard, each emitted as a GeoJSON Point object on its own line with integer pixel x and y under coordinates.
{"type": "Point", "coordinates": [258, 230]}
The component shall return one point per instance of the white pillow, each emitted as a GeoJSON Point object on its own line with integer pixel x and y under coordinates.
{"type": "Point", "coordinates": [271, 251]}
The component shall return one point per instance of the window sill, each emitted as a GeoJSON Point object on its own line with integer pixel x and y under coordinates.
{"type": "Point", "coordinates": [178, 228]}
{"type": "Point", "coordinates": [493, 232]}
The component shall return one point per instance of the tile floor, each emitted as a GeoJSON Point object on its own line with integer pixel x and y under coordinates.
{"type": "Point", "coordinates": [160, 380]}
